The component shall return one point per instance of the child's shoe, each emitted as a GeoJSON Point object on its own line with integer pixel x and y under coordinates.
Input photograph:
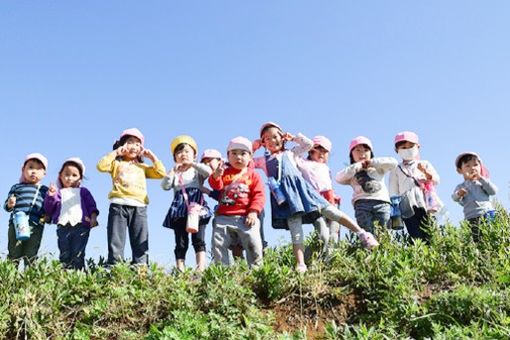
{"type": "Point", "coordinates": [301, 268]}
{"type": "Point", "coordinates": [368, 240]}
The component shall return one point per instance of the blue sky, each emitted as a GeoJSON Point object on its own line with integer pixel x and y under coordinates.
{"type": "Point", "coordinates": [73, 75]}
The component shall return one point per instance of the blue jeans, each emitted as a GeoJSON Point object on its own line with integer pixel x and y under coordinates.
{"type": "Point", "coordinates": [72, 241]}
{"type": "Point", "coordinates": [368, 212]}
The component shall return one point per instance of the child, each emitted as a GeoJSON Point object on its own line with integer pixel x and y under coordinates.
{"type": "Point", "coordinates": [241, 201]}
{"type": "Point", "coordinates": [186, 179]}
{"type": "Point", "coordinates": [474, 193]}
{"type": "Point", "coordinates": [370, 198]}
{"type": "Point", "coordinates": [128, 198]}
{"type": "Point", "coordinates": [74, 211]}
{"type": "Point", "coordinates": [316, 171]}
{"type": "Point", "coordinates": [26, 199]}
{"type": "Point", "coordinates": [407, 181]}
{"type": "Point", "coordinates": [293, 199]}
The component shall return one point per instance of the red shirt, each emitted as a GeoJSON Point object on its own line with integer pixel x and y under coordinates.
{"type": "Point", "coordinates": [241, 191]}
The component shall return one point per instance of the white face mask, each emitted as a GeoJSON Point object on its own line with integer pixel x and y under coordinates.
{"type": "Point", "coordinates": [409, 154]}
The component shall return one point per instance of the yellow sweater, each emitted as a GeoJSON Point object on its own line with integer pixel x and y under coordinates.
{"type": "Point", "coordinates": [129, 178]}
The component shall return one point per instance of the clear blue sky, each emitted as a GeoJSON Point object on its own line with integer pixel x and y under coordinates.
{"type": "Point", "coordinates": [74, 74]}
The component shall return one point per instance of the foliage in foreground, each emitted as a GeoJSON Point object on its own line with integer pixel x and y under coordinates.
{"type": "Point", "coordinates": [450, 288]}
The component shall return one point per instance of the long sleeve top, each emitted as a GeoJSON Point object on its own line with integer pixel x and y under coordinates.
{"type": "Point", "coordinates": [476, 202]}
{"type": "Point", "coordinates": [53, 206]}
{"type": "Point", "coordinates": [402, 179]}
{"type": "Point", "coordinates": [241, 191]}
{"type": "Point", "coordinates": [352, 175]}
{"type": "Point", "coordinates": [193, 177]}
{"type": "Point", "coordinates": [129, 178]}
{"type": "Point", "coordinates": [25, 194]}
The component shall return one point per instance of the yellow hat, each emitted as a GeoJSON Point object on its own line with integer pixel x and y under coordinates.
{"type": "Point", "coordinates": [183, 139]}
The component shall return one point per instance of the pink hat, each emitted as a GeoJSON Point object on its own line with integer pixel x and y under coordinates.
{"type": "Point", "coordinates": [269, 124]}
{"type": "Point", "coordinates": [322, 141]}
{"type": "Point", "coordinates": [39, 157]}
{"type": "Point", "coordinates": [210, 153]}
{"type": "Point", "coordinates": [484, 171]}
{"type": "Point", "coordinates": [78, 162]}
{"type": "Point", "coordinates": [133, 132]}
{"type": "Point", "coordinates": [360, 140]}
{"type": "Point", "coordinates": [407, 136]}
{"type": "Point", "coordinates": [240, 143]}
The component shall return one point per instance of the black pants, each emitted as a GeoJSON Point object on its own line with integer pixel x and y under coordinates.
{"type": "Point", "coordinates": [72, 241]}
{"type": "Point", "coordinates": [417, 223]}
{"type": "Point", "coordinates": [182, 239]}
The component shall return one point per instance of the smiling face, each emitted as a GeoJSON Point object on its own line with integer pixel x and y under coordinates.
{"type": "Point", "coordinates": [184, 153]}
{"type": "Point", "coordinates": [133, 147]}
{"type": "Point", "coordinates": [239, 159]}
{"type": "Point", "coordinates": [272, 139]}
{"type": "Point", "coordinates": [361, 153]}
{"type": "Point", "coordinates": [319, 154]}
{"type": "Point", "coordinates": [70, 176]}
{"type": "Point", "coordinates": [33, 171]}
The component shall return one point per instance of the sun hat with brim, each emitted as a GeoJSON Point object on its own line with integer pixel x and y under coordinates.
{"type": "Point", "coordinates": [78, 162]}
{"type": "Point", "coordinates": [133, 132]}
{"type": "Point", "coordinates": [183, 139]}
{"type": "Point", "coordinates": [322, 141]}
{"type": "Point", "coordinates": [240, 143]}
{"type": "Point", "coordinates": [359, 141]}
{"type": "Point", "coordinates": [210, 153]}
{"type": "Point", "coordinates": [37, 156]}
{"type": "Point", "coordinates": [269, 124]}
{"type": "Point", "coordinates": [406, 136]}
{"type": "Point", "coordinates": [484, 171]}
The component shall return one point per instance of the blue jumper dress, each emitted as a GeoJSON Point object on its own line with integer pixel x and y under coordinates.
{"type": "Point", "coordinates": [301, 198]}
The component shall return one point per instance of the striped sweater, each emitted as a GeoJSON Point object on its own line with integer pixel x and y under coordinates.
{"type": "Point", "coordinates": [24, 197]}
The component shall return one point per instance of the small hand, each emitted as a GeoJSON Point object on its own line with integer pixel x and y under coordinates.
{"type": "Point", "coordinates": [92, 221]}
{"type": "Point", "coordinates": [366, 163]}
{"type": "Point", "coordinates": [219, 171]}
{"type": "Point", "coordinates": [121, 151]}
{"type": "Point", "coordinates": [149, 154]}
{"type": "Point", "coordinates": [288, 136]}
{"type": "Point", "coordinates": [423, 169]}
{"type": "Point", "coordinates": [183, 166]}
{"type": "Point", "coordinates": [251, 219]}
{"type": "Point", "coordinates": [11, 202]}
{"type": "Point", "coordinates": [462, 192]}
{"type": "Point", "coordinates": [256, 144]}
{"type": "Point", "coordinates": [52, 190]}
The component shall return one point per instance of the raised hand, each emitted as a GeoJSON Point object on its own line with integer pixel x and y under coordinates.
{"type": "Point", "coordinates": [149, 154]}
{"type": "Point", "coordinates": [257, 144]}
{"type": "Point", "coordinates": [462, 192]}
{"type": "Point", "coordinates": [52, 190]}
{"type": "Point", "coordinates": [288, 136]}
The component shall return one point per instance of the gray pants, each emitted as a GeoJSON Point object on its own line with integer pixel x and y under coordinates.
{"type": "Point", "coordinates": [295, 224]}
{"type": "Point", "coordinates": [229, 230]}
{"type": "Point", "coordinates": [134, 219]}
{"type": "Point", "coordinates": [327, 230]}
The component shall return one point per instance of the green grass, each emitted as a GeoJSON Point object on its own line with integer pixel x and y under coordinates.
{"type": "Point", "coordinates": [449, 289]}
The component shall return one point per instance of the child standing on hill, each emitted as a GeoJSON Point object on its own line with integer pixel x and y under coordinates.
{"type": "Point", "coordinates": [241, 201]}
{"type": "Point", "coordinates": [370, 198]}
{"type": "Point", "coordinates": [128, 198]}
{"type": "Point", "coordinates": [25, 202]}
{"type": "Point", "coordinates": [294, 201]}
{"type": "Point", "coordinates": [187, 178]}
{"type": "Point", "coordinates": [316, 171]}
{"type": "Point", "coordinates": [74, 210]}
{"type": "Point", "coordinates": [474, 193]}
{"type": "Point", "coordinates": [408, 179]}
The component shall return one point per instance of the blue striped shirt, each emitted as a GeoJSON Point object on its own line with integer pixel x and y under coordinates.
{"type": "Point", "coordinates": [24, 197]}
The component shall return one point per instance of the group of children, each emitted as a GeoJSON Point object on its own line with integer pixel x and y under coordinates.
{"type": "Point", "coordinates": [300, 187]}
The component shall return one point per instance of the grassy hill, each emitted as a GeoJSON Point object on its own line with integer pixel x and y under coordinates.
{"type": "Point", "coordinates": [449, 289]}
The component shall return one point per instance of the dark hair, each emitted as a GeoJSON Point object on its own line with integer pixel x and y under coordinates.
{"type": "Point", "coordinates": [35, 160]}
{"type": "Point", "coordinates": [181, 146]}
{"type": "Point", "coordinates": [118, 143]}
{"type": "Point", "coordinates": [466, 158]}
{"type": "Point", "coordinates": [311, 150]}
{"type": "Point", "coordinates": [80, 170]}
{"type": "Point", "coordinates": [352, 158]}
